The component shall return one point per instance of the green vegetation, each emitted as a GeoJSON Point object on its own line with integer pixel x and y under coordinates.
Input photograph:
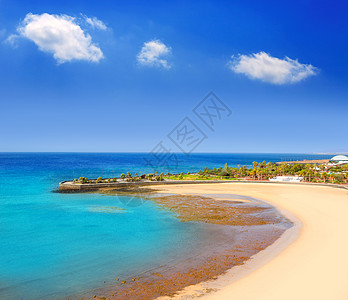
{"type": "Point", "coordinates": [258, 171]}
{"type": "Point", "coordinates": [265, 171]}
{"type": "Point", "coordinates": [83, 180]}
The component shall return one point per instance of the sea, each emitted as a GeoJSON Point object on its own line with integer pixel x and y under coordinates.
{"type": "Point", "coordinates": [54, 245]}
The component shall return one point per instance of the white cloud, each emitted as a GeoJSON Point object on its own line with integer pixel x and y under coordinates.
{"type": "Point", "coordinates": [153, 53]}
{"type": "Point", "coordinates": [270, 69]}
{"type": "Point", "coordinates": [95, 23]}
{"type": "Point", "coordinates": [12, 40]}
{"type": "Point", "coordinates": [59, 35]}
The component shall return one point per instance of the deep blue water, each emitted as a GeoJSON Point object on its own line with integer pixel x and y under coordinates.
{"type": "Point", "coordinates": [54, 245]}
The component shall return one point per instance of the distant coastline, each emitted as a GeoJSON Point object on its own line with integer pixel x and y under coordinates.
{"type": "Point", "coordinates": [334, 170]}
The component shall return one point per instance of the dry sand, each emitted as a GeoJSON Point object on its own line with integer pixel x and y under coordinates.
{"type": "Point", "coordinates": [310, 261]}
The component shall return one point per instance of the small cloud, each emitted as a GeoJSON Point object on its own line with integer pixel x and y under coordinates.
{"type": "Point", "coordinates": [12, 40]}
{"type": "Point", "coordinates": [95, 23]}
{"type": "Point", "coordinates": [59, 35]}
{"type": "Point", "coordinates": [2, 33]}
{"type": "Point", "coordinates": [270, 69]}
{"type": "Point", "coordinates": [153, 54]}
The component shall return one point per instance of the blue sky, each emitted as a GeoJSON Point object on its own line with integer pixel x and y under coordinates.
{"type": "Point", "coordinates": [118, 76]}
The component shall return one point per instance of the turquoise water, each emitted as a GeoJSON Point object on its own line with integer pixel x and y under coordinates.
{"type": "Point", "coordinates": [53, 245]}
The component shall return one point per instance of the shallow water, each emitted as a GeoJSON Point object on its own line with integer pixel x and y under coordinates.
{"type": "Point", "coordinates": [53, 245]}
{"type": "Point", "coordinates": [65, 244]}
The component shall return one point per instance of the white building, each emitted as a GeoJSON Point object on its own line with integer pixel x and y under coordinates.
{"type": "Point", "coordinates": [286, 179]}
{"type": "Point", "coordinates": [339, 159]}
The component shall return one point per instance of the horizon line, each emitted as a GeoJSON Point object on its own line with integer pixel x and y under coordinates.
{"type": "Point", "coordinates": [141, 152]}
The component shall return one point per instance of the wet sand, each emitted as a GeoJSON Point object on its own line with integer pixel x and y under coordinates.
{"type": "Point", "coordinates": [237, 228]}
{"type": "Point", "coordinates": [309, 261]}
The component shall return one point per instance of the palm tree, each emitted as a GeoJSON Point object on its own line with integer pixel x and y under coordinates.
{"type": "Point", "coordinates": [324, 176]}
{"type": "Point", "coordinates": [226, 167]}
{"type": "Point", "coordinates": [332, 177]}
{"type": "Point", "coordinates": [310, 174]}
{"type": "Point", "coordinates": [263, 165]}
{"type": "Point", "coordinates": [302, 173]}
{"type": "Point", "coordinates": [282, 169]}
{"type": "Point", "coordinates": [252, 174]}
{"type": "Point", "coordinates": [269, 167]}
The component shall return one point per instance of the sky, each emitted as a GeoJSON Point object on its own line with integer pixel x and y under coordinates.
{"type": "Point", "coordinates": [123, 76]}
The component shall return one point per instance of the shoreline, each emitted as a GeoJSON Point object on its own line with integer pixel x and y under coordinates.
{"type": "Point", "coordinates": [312, 266]}
{"type": "Point", "coordinates": [70, 187]}
{"type": "Point", "coordinates": [255, 262]}
{"type": "Point", "coordinates": [255, 226]}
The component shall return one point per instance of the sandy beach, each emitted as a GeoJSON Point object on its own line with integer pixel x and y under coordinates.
{"type": "Point", "coordinates": [308, 262]}
{"type": "Point", "coordinates": [234, 229]}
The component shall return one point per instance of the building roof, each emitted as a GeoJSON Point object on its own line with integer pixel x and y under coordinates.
{"type": "Point", "coordinates": [340, 158]}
